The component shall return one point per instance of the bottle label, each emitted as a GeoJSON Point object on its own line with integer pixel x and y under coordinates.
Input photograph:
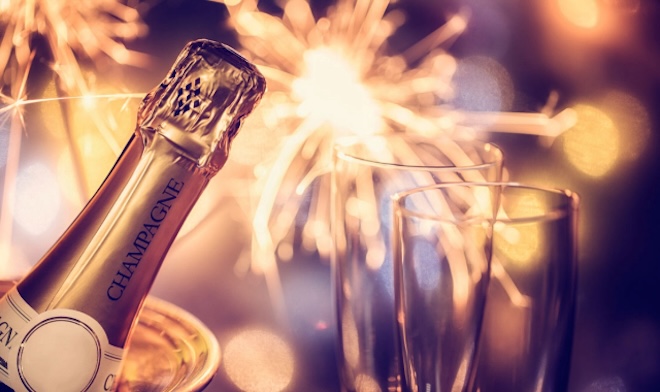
{"type": "Point", "coordinates": [58, 350]}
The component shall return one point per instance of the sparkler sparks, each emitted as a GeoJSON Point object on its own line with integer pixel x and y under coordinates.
{"type": "Point", "coordinates": [335, 75]}
{"type": "Point", "coordinates": [71, 30]}
{"type": "Point", "coordinates": [331, 76]}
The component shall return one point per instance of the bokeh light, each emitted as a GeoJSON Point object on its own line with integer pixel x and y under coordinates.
{"type": "Point", "coordinates": [38, 198]}
{"type": "Point", "coordinates": [632, 120]}
{"type": "Point", "coordinates": [609, 131]}
{"type": "Point", "coordinates": [581, 13]}
{"type": "Point", "coordinates": [258, 360]}
{"type": "Point", "coordinates": [593, 144]}
{"type": "Point", "coordinates": [520, 242]}
{"type": "Point", "coordinates": [482, 84]}
{"type": "Point", "coordinates": [587, 147]}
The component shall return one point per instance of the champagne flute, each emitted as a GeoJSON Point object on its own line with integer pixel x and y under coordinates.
{"type": "Point", "coordinates": [367, 172]}
{"type": "Point", "coordinates": [446, 239]}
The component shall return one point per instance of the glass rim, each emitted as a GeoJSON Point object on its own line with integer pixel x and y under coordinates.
{"type": "Point", "coordinates": [566, 208]}
{"type": "Point", "coordinates": [488, 147]}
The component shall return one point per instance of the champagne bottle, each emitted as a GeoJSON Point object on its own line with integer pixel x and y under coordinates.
{"type": "Point", "coordinates": [64, 326]}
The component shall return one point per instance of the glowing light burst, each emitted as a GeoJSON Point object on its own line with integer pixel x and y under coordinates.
{"type": "Point", "coordinates": [335, 75]}
{"type": "Point", "coordinates": [582, 13]}
{"type": "Point", "coordinates": [330, 76]}
{"type": "Point", "coordinates": [71, 29]}
{"type": "Point", "coordinates": [329, 90]}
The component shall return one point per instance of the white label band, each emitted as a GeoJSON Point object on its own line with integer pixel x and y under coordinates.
{"type": "Point", "coordinates": [60, 350]}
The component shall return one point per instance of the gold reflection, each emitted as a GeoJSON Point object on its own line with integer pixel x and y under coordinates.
{"type": "Point", "coordinates": [520, 243]}
{"type": "Point", "coordinates": [259, 361]}
{"type": "Point", "coordinates": [593, 144]}
{"type": "Point", "coordinates": [581, 13]}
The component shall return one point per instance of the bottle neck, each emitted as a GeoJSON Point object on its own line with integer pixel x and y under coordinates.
{"type": "Point", "coordinates": [114, 271]}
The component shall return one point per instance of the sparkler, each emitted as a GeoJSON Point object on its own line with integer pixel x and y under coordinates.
{"type": "Point", "coordinates": [334, 76]}
{"type": "Point", "coordinates": [71, 30]}
{"type": "Point", "coordinates": [329, 77]}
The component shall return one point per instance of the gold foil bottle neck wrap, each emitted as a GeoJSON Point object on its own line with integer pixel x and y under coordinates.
{"type": "Point", "coordinates": [83, 296]}
{"type": "Point", "coordinates": [201, 103]}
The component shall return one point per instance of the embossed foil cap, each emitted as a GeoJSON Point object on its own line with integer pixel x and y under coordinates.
{"type": "Point", "coordinates": [201, 103]}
